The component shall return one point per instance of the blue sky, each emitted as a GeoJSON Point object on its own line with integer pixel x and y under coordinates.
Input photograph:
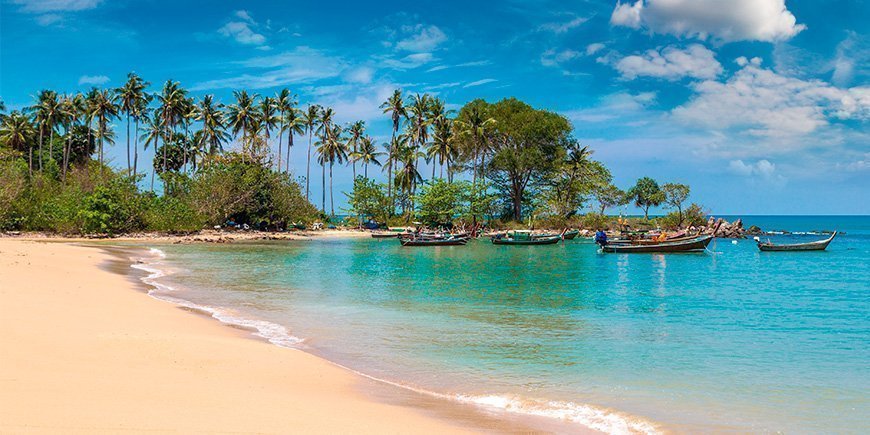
{"type": "Point", "coordinates": [762, 106]}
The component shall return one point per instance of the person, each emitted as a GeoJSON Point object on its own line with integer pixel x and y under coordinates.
{"type": "Point", "coordinates": [601, 238]}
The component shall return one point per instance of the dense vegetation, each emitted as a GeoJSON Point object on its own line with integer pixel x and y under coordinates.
{"type": "Point", "coordinates": [500, 162]}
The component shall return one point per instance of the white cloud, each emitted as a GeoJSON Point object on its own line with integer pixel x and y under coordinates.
{"type": "Point", "coordinates": [93, 80]}
{"type": "Point", "coordinates": [553, 57]}
{"type": "Point", "coordinates": [49, 19]}
{"type": "Point", "coordinates": [411, 61]}
{"type": "Point", "coordinates": [437, 68]}
{"type": "Point", "coordinates": [41, 6]}
{"type": "Point", "coordinates": [362, 75]}
{"type": "Point", "coordinates": [419, 38]}
{"type": "Point", "coordinates": [671, 63]}
{"type": "Point", "coordinates": [734, 20]}
{"type": "Point", "coordinates": [762, 167]}
{"type": "Point", "coordinates": [302, 65]}
{"type": "Point", "coordinates": [242, 31]}
{"type": "Point", "coordinates": [621, 105]}
{"type": "Point", "coordinates": [479, 82]}
{"type": "Point", "coordinates": [594, 48]}
{"type": "Point", "coordinates": [559, 28]}
{"type": "Point", "coordinates": [762, 103]}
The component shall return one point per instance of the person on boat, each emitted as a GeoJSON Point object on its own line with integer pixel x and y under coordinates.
{"type": "Point", "coordinates": [601, 238]}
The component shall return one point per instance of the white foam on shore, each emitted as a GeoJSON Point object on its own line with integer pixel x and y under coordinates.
{"type": "Point", "coordinates": [597, 418]}
{"type": "Point", "coordinates": [272, 332]}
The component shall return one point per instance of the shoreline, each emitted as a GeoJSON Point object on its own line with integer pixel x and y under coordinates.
{"type": "Point", "coordinates": [102, 358]}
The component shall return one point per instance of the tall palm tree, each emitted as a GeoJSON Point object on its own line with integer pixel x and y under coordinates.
{"type": "Point", "coordinates": [103, 111]}
{"type": "Point", "coordinates": [332, 150]}
{"type": "Point", "coordinates": [213, 133]}
{"type": "Point", "coordinates": [474, 126]}
{"type": "Point", "coordinates": [283, 104]}
{"type": "Point", "coordinates": [408, 176]}
{"type": "Point", "coordinates": [90, 102]}
{"type": "Point", "coordinates": [68, 116]}
{"type": "Point", "coordinates": [310, 119]}
{"type": "Point", "coordinates": [240, 116]}
{"type": "Point", "coordinates": [356, 130]}
{"type": "Point", "coordinates": [16, 132]}
{"type": "Point", "coordinates": [367, 153]}
{"type": "Point", "coordinates": [418, 115]}
{"type": "Point", "coordinates": [269, 119]}
{"type": "Point", "coordinates": [442, 149]}
{"type": "Point", "coordinates": [151, 134]}
{"type": "Point", "coordinates": [395, 106]}
{"type": "Point", "coordinates": [173, 108]}
{"type": "Point", "coordinates": [130, 98]}
{"type": "Point", "coordinates": [140, 112]}
{"type": "Point", "coordinates": [46, 112]}
{"type": "Point", "coordinates": [294, 123]}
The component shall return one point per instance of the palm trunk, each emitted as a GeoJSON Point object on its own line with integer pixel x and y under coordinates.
{"type": "Point", "coordinates": [366, 171]}
{"type": "Point", "coordinates": [40, 147]}
{"type": "Point", "coordinates": [280, 140]}
{"type": "Point", "coordinates": [51, 143]}
{"type": "Point", "coordinates": [30, 160]}
{"type": "Point", "coordinates": [323, 188]}
{"type": "Point", "coordinates": [136, 148]}
{"type": "Point", "coordinates": [128, 145]}
{"type": "Point", "coordinates": [289, 147]}
{"type": "Point", "coordinates": [331, 199]}
{"type": "Point", "coordinates": [308, 166]}
{"type": "Point", "coordinates": [65, 159]}
{"type": "Point", "coordinates": [354, 162]}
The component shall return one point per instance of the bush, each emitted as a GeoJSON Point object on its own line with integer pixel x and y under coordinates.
{"type": "Point", "coordinates": [114, 207]}
{"type": "Point", "coordinates": [172, 215]}
{"type": "Point", "coordinates": [595, 221]}
{"type": "Point", "coordinates": [694, 215]}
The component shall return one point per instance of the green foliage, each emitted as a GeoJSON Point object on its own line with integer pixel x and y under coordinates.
{"type": "Point", "coordinates": [608, 196]}
{"type": "Point", "coordinates": [693, 216]}
{"type": "Point", "coordinates": [675, 195]}
{"type": "Point", "coordinates": [113, 207]}
{"type": "Point", "coordinates": [369, 200]}
{"type": "Point", "coordinates": [645, 194]}
{"type": "Point", "coordinates": [439, 201]}
{"type": "Point", "coordinates": [172, 214]}
{"type": "Point", "coordinates": [595, 221]}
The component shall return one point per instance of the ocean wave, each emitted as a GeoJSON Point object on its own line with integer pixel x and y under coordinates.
{"type": "Point", "coordinates": [594, 417]}
{"type": "Point", "coordinates": [272, 332]}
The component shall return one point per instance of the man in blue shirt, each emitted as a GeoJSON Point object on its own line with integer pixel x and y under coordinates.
{"type": "Point", "coordinates": [601, 238]}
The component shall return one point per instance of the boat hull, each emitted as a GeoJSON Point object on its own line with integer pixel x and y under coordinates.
{"type": "Point", "coordinates": [434, 242]}
{"type": "Point", "coordinates": [538, 241]}
{"type": "Point", "coordinates": [696, 244]}
{"type": "Point", "coordinates": [820, 245]}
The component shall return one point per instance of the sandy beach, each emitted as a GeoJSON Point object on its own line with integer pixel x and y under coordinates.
{"type": "Point", "coordinates": [85, 350]}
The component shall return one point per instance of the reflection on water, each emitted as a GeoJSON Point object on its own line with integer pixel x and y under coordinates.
{"type": "Point", "coordinates": [698, 342]}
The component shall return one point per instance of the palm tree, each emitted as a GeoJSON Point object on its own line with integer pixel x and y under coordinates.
{"type": "Point", "coordinates": [104, 110]}
{"type": "Point", "coordinates": [213, 133]}
{"type": "Point", "coordinates": [367, 153]}
{"type": "Point", "coordinates": [130, 98]}
{"type": "Point", "coordinates": [419, 117]}
{"type": "Point", "coordinates": [46, 112]}
{"type": "Point", "coordinates": [294, 123]}
{"type": "Point", "coordinates": [68, 116]}
{"type": "Point", "coordinates": [408, 177]}
{"type": "Point", "coordinates": [140, 111]}
{"type": "Point", "coordinates": [173, 109]}
{"type": "Point", "coordinates": [474, 126]}
{"type": "Point", "coordinates": [356, 130]}
{"type": "Point", "coordinates": [442, 149]}
{"type": "Point", "coordinates": [268, 119]}
{"type": "Point", "coordinates": [331, 150]}
{"type": "Point", "coordinates": [310, 119]}
{"type": "Point", "coordinates": [151, 135]}
{"type": "Point", "coordinates": [395, 106]}
{"type": "Point", "coordinates": [283, 104]}
{"type": "Point", "coordinates": [240, 116]}
{"type": "Point", "coordinates": [16, 132]}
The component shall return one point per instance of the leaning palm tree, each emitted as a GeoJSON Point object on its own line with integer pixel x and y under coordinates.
{"type": "Point", "coordinates": [284, 103]}
{"type": "Point", "coordinates": [294, 123]}
{"type": "Point", "coordinates": [213, 134]}
{"type": "Point", "coordinates": [104, 110]}
{"type": "Point", "coordinates": [240, 116]}
{"type": "Point", "coordinates": [356, 131]}
{"type": "Point", "coordinates": [310, 119]}
{"type": "Point", "coordinates": [367, 153]}
{"type": "Point", "coordinates": [130, 97]}
{"type": "Point", "coordinates": [395, 106]}
{"type": "Point", "coordinates": [46, 112]}
{"type": "Point", "coordinates": [16, 132]}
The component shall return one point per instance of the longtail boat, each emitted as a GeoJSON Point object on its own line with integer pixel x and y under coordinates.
{"type": "Point", "coordinates": [650, 241]}
{"type": "Point", "coordinates": [525, 238]}
{"type": "Point", "coordinates": [385, 235]}
{"type": "Point", "coordinates": [570, 235]}
{"type": "Point", "coordinates": [453, 241]}
{"type": "Point", "coordinates": [818, 245]}
{"type": "Point", "coordinates": [695, 244]}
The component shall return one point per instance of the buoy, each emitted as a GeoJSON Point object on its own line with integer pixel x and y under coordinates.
{"type": "Point", "coordinates": [734, 242]}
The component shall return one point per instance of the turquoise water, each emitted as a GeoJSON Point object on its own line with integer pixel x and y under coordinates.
{"type": "Point", "coordinates": [732, 340]}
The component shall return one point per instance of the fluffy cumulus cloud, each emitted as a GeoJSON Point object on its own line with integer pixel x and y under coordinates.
{"type": "Point", "coordinates": [671, 63]}
{"type": "Point", "coordinates": [763, 103]}
{"type": "Point", "coordinates": [762, 168]}
{"type": "Point", "coordinates": [93, 80]}
{"type": "Point", "coordinates": [734, 20]}
{"type": "Point", "coordinates": [241, 29]}
{"type": "Point", "coordinates": [419, 38]}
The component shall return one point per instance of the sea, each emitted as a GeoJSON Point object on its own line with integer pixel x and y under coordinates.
{"type": "Point", "coordinates": [726, 340]}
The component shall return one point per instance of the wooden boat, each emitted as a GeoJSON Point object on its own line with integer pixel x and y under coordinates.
{"type": "Point", "coordinates": [385, 235]}
{"type": "Point", "coordinates": [453, 241]}
{"type": "Point", "coordinates": [525, 238]}
{"type": "Point", "coordinates": [570, 235]}
{"type": "Point", "coordinates": [650, 241]}
{"type": "Point", "coordinates": [695, 244]}
{"type": "Point", "coordinates": [818, 245]}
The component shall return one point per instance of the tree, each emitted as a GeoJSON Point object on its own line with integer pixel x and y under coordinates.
{"type": "Point", "coordinates": [572, 181]}
{"type": "Point", "coordinates": [310, 119]}
{"type": "Point", "coordinates": [368, 200]}
{"type": "Point", "coordinates": [16, 133]}
{"type": "Point", "coordinates": [131, 97]}
{"type": "Point", "coordinates": [104, 109]}
{"type": "Point", "coordinates": [528, 146]}
{"type": "Point", "coordinates": [418, 117]}
{"type": "Point", "coordinates": [408, 177]}
{"type": "Point", "coordinates": [439, 201]}
{"type": "Point", "coordinates": [173, 102]}
{"type": "Point", "coordinates": [473, 124]}
{"type": "Point", "coordinates": [675, 195]}
{"type": "Point", "coordinates": [331, 150]}
{"type": "Point", "coordinates": [241, 117]}
{"type": "Point", "coordinates": [442, 150]}
{"type": "Point", "coordinates": [46, 113]}
{"type": "Point", "coordinates": [395, 106]}
{"type": "Point", "coordinates": [284, 103]}
{"type": "Point", "coordinates": [213, 133]}
{"type": "Point", "coordinates": [645, 194]}
{"type": "Point", "coordinates": [356, 131]}
{"type": "Point", "coordinates": [294, 123]}
{"type": "Point", "coordinates": [367, 153]}
{"type": "Point", "coordinates": [268, 119]}
{"type": "Point", "coordinates": [608, 196]}
{"type": "Point", "coordinates": [151, 134]}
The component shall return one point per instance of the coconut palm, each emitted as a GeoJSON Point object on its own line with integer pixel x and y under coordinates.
{"type": "Point", "coordinates": [174, 108]}
{"type": "Point", "coordinates": [104, 109]}
{"type": "Point", "coordinates": [474, 127]}
{"type": "Point", "coordinates": [332, 150]}
{"type": "Point", "coordinates": [395, 106]}
{"type": "Point", "coordinates": [269, 119]}
{"type": "Point", "coordinates": [408, 176]}
{"type": "Point", "coordinates": [310, 119]}
{"type": "Point", "coordinates": [151, 134]}
{"type": "Point", "coordinates": [442, 149]}
{"type": "Point", "coordinates": [241, 115]}
{"type": "Point", "coordinates": [284, 103]}
{"type": "Point", "coordinates": [213, 133]}
{"type": "Point", "coordinates": [294, 123]}
{"type": "Point", "coordinates": [130, 98]}
{"type": "Point", "coordinates": [46, 112]}
{"type": "Point", "coordinates": [16, 132]}
{"type": "Point", "coordinates": [367, 153]}
{"type": "Point", "coordinates": [356, 131]}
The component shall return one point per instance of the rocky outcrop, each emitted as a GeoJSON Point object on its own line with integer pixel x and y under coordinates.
{"type": "Point", "coordinates": [724, 229]}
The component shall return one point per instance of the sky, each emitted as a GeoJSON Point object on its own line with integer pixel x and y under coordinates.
{"type": "Point", "coordinates": [761, 106]}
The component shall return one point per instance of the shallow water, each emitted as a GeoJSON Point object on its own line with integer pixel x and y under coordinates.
{"type": "Point", "coordinates": [729, 340]}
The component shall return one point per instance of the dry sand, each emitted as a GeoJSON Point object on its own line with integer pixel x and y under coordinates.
{"type": "Point", "coordinates": [81, 350]}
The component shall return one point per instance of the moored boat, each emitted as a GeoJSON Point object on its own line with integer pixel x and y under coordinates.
{"type": "Point", "coordinates": [385, 235]}
{"type": "Point", "coordinates": [452, 241]}
{"type": "Point", "coordinates": [694, 244]}
{"type": "Point", "coordinates": [525, 238]}
{"type": "Point", "coordinates": [818, 245]}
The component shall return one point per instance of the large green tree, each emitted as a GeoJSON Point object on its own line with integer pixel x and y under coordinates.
{"type": "Point", "coordinates": [646, 193]}
{"type": "Point", "coordinates": [675, 195]}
